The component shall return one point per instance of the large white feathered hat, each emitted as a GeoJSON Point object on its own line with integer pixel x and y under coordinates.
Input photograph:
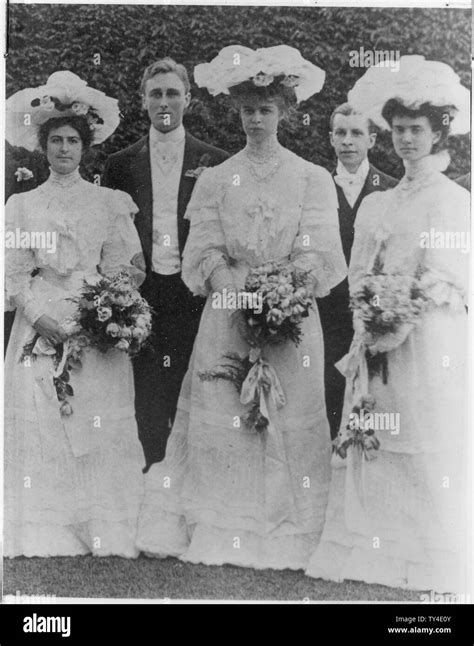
{"type": "Point", "coordinates": [64, 94]}
{"type": "Point", "coordinates": [415, 82]}
{"type": "Point", "coordinates": [235, 64]}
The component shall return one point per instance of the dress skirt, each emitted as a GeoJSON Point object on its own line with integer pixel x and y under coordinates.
{"type": "Point", "coordinates": [226, 493]}
{"type": "Point", "coordinates": [73, 485]}
{"type": "Point", "coordinates": [400, 519]}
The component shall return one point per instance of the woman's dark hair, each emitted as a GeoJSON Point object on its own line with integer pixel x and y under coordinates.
{"type": "Point", "coordinates": [282, 95]}
{"type": "Point", "coordinates": [440, 117]}
{"type": "Point", "coordinates": [79, 123]}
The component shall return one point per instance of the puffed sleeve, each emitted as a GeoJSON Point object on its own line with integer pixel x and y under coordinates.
{"type": "Point", "coordinates": [317, 247]}
{"type": "Point", "coordinates": [447, 265]}
{"type": "Point", "coordinates": [122, 248]}
{"type": "Point", "coordinates": [205, 259]}
{"type": "Point", "coordinates": [19, 262]}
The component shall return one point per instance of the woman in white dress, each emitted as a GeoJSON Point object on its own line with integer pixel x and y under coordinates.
{"type": "Point", "coordinates": [401, 519]}
{"type": "Point", "coordinates": [226, 493]}
{"type": "Point", "coordinates": [73, 484]}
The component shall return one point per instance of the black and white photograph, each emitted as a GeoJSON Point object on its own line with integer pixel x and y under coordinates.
{"type": "Point", "coordinates": [237, 274]}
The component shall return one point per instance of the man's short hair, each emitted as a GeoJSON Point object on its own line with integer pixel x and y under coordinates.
{"type": "Point", "coordinates": [346, 110]}
{"type": "Point", "coordinates": [165, 66]}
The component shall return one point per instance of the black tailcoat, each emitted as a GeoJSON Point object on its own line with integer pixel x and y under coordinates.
{"type": "Point", "coordinates": [159, 371]}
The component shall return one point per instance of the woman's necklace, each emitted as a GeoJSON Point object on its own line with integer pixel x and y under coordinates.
{"type": "Point", "coordinates": [264, 165]}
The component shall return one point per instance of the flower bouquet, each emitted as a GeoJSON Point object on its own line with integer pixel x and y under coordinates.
{"type": "Point", "coordinates": [385, 308]}
{"type": "Point", "coordinates": [111, 314]}
{"type": "Point", "coordinates": [285, 297]}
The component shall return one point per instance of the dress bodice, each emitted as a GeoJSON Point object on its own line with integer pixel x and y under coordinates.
{"type": "Point", "coordinates": [76, 215]}
{"type": "Point", "coordinates": [247, 213]}
{"type": "Point", "coordinates": [422, 222]}
{"type": "Point", "coordinates": [260, 220]}
{"type": "Point", "coordinates": [66, 227]}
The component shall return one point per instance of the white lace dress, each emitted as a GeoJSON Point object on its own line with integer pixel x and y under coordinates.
{"type": "Point", "coordinates": [225, 493]}
{"type": "Point", "coordinates": [73, 485]}
{"type": "Point", "coordinates": [401, 519]}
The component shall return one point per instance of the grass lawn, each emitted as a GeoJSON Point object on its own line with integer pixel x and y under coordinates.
{"type": "Point", "coordinates": [145, 578]}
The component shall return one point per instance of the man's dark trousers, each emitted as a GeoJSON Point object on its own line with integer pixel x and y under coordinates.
{"type": "Point", "coordinates": [159, 371]}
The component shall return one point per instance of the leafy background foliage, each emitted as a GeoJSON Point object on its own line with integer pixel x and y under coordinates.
{"type": "Point", "coordinates": [47, 38]}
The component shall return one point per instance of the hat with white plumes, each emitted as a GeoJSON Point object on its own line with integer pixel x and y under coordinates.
{"type": "Point", "coordinates": [64, 95]}
{"type": "Point", "coordinates": [283, 64]}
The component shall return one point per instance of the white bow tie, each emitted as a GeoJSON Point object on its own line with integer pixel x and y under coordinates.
{"type": "Point", "coordinates": [165, 154]}
{"type": "Point", "coordinates": [346, 180]}
{"type": "Point", "coordinates": [164, 148]}
{"type": "Point", "coordinates": [351, 186]}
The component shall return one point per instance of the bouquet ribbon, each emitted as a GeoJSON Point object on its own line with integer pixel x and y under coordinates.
{"type": "Point", "coordinates": [262, 377]}
{"type": "Point", "coordinates": [52, 426]}
{"type": "Point", "coordinates": [62, 363]}
{"type": "Point", "coordinates": [353, 366]}
{"type": "Point", "coordinates": [262, 382]}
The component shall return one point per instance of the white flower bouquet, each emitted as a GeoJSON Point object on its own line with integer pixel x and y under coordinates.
{"type": "Point", "coordinates": [111, 315]}
{"type": "Point", "coordinates": [286, 299]}
{"type": "Point", "coordinates": [386, 307]}
{"type": "Point", "coordinates": [285, 296]}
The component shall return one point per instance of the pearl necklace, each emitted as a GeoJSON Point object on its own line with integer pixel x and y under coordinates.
{"type": "Point", "coordinates": [265, 167]}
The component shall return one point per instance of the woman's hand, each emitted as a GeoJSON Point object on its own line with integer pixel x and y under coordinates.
{"type": "Point", "coordinates": [391, 340]}
{"type": "Point", "coordinates": [49, 329]}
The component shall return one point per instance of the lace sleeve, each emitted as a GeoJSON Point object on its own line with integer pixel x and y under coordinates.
{"type": "Point", "coordinates": [317, 247]}
{"type": "Point", "coordinates": [19, 262]}
{"type": "Point", "coordinates": [122, 249]}
{"type": "Point", "coordinates": [205, 258]}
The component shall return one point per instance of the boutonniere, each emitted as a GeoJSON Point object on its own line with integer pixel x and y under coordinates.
{"type": "Point", "coordinates": [23, 174]}
{"type": "Point", "coordinates": [203, 164]}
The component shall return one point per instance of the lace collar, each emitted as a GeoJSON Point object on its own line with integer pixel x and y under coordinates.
{"type": "Point", "coordinates": [64, 181]}
{"type": "Point", "coordinates": [427, 173]}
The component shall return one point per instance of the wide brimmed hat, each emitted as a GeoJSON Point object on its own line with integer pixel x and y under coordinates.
{"type": "Point", "coordinates": [64, 95]}
{"type": "Point", "coordinates": [413, 82]}
{"type": "Point", "coordinates": [236, 64]}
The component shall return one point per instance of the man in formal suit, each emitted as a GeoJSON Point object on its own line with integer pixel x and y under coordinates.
{"type": "Point", "coordinates": [159, 172]}
{"type": "Point", "coordinates": [352, 135]}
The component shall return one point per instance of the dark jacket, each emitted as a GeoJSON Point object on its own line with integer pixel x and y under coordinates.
{"type": "Point", "coordinates": [129, 170]}
{"type": "Point", "coordinates": [17, 157]}
{"type": "Point", "coordinates": [336, 318]}
{"type": "Point", "coordinates": [464, 181]}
